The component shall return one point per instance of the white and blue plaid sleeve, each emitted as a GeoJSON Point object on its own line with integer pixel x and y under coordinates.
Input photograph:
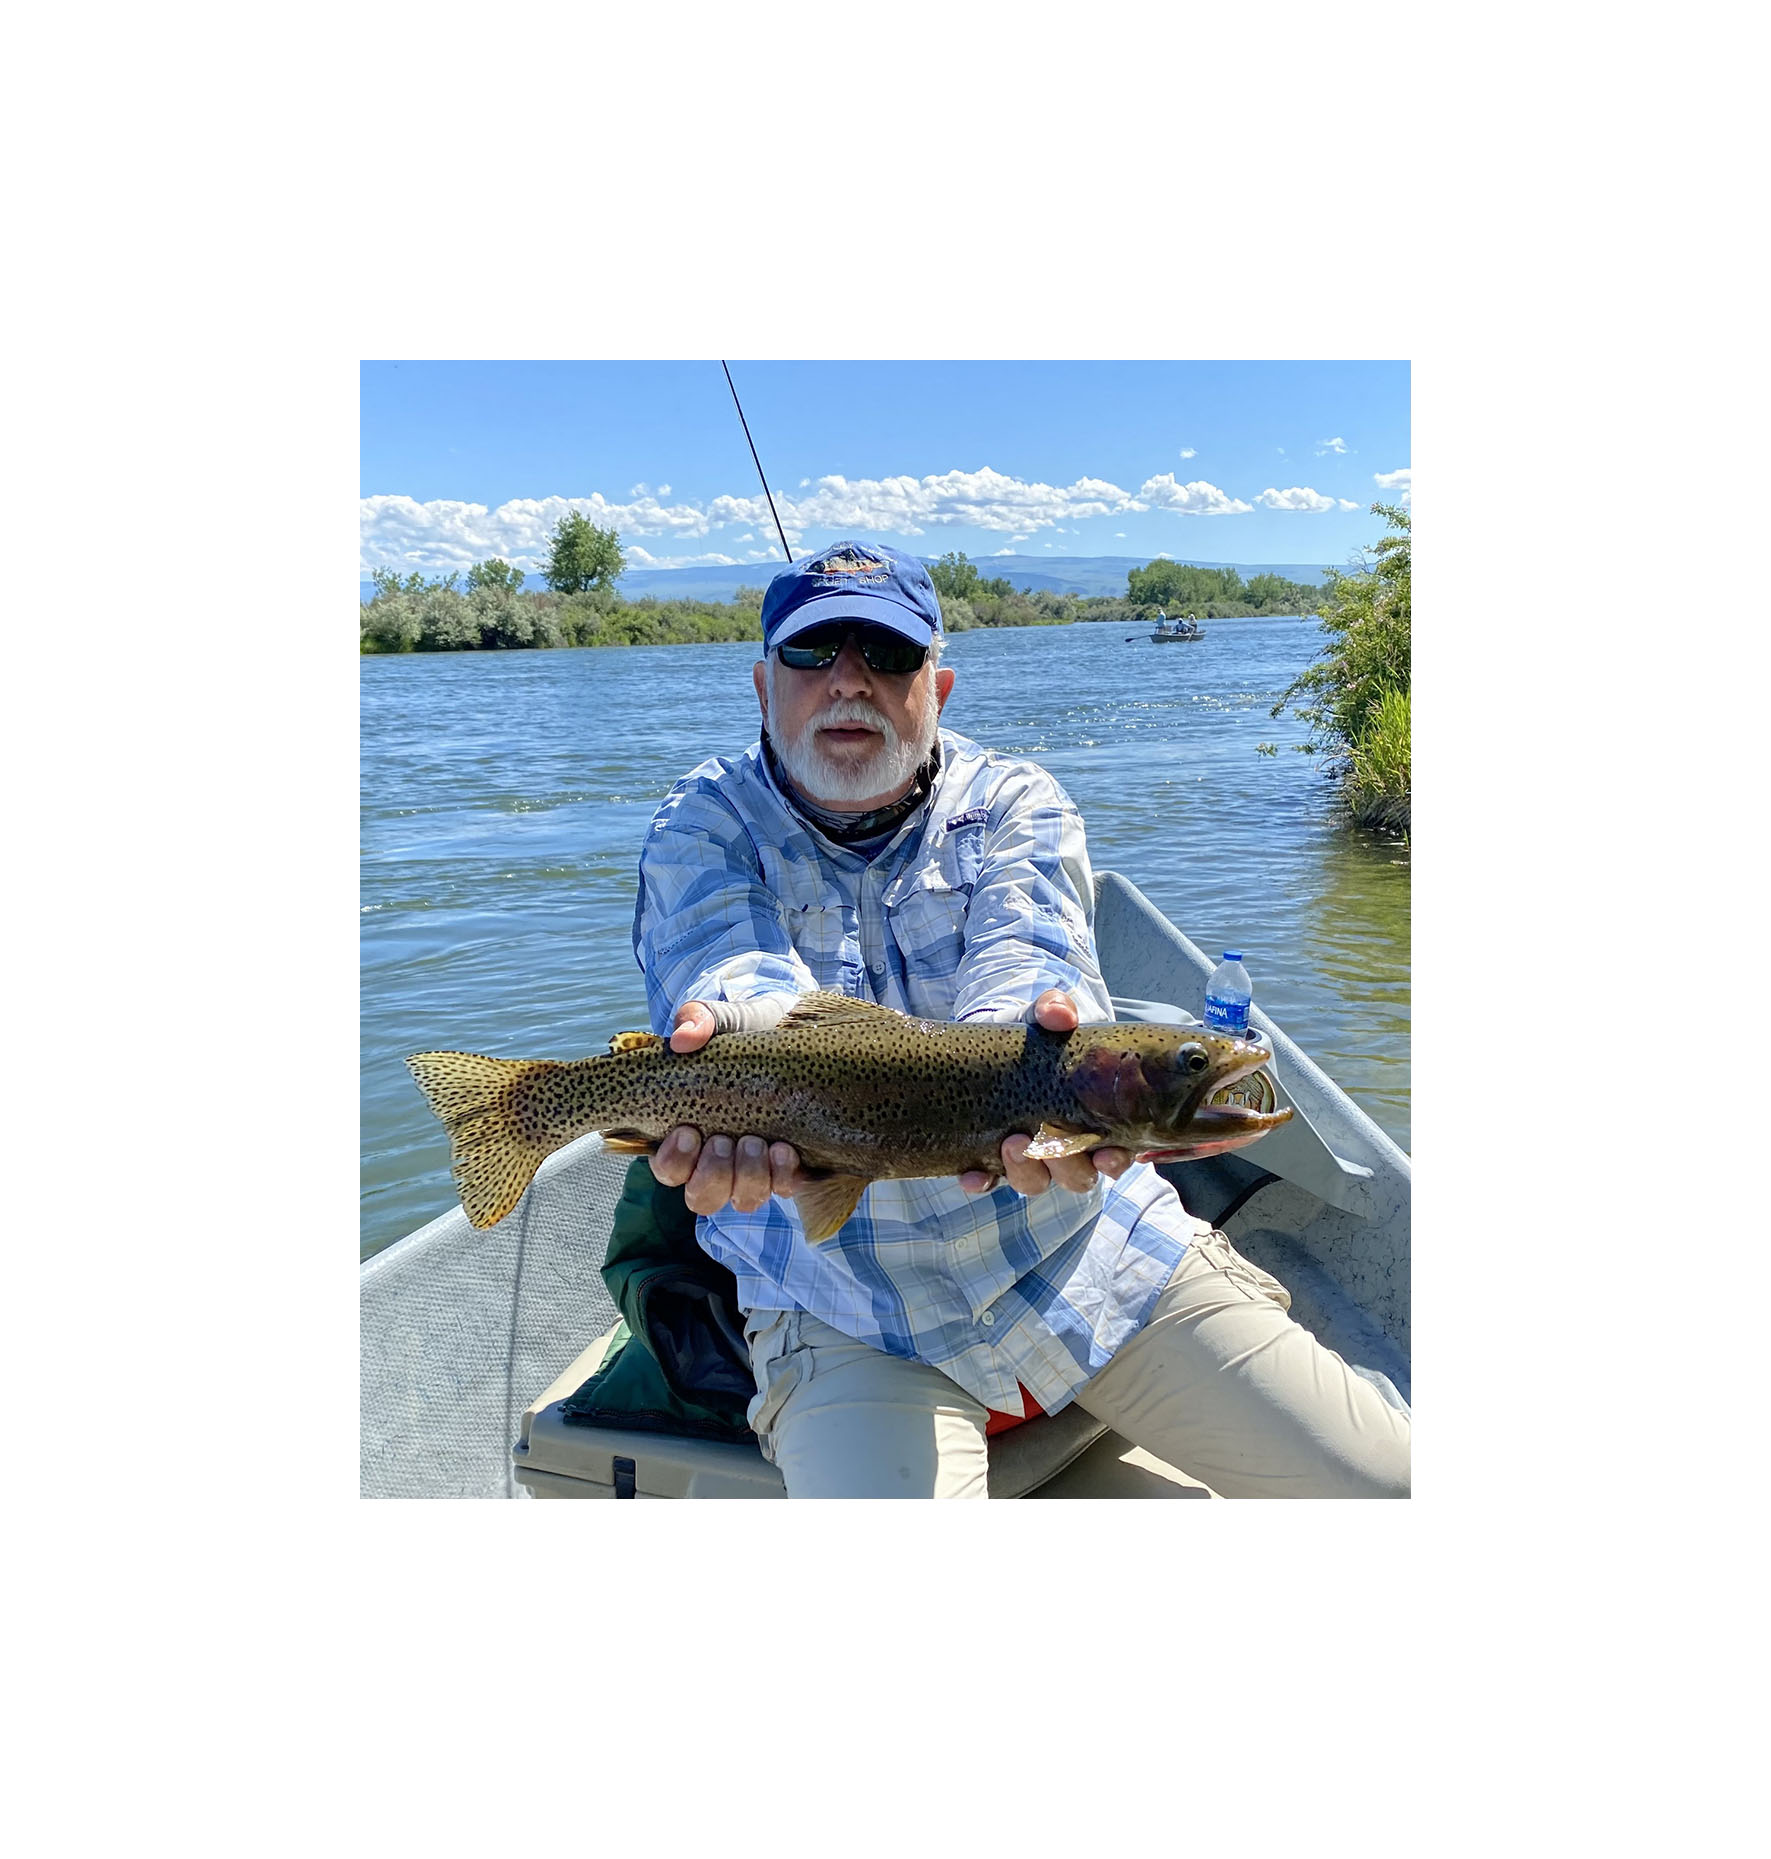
{"type": "Point", "coordinates": [1029, 925]}
{"type": "Point", "coordinates": [705, 925]}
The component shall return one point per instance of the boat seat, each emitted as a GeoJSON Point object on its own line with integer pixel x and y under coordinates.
{"type": "Point", "coordinates": [558, 1458]}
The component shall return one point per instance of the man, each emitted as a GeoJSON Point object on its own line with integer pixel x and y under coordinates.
{"type": "Point", "coordinates": [859, 847]}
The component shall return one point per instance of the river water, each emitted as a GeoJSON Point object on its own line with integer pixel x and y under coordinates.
{"type": "Point", "coordinates": [505, 795]}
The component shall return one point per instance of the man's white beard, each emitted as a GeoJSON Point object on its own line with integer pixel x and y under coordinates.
{"type": "Point", "coordinates": [886, 771]}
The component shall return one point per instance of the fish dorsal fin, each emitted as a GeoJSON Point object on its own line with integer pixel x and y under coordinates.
{"type": "Point", "coordinates": [633, 1042]}
{"type": "Point", "coordinates": [826, 1201]}
{"type": "Point", "coordinates": [1056, 1139]}
{"type": "Point", "coordinates": [829, 1008]}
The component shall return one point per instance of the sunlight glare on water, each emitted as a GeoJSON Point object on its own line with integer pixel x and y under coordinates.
{"type": "Point", "coordinates": [505, 796]}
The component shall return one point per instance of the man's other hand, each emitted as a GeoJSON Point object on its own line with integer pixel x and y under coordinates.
{"type": "Point", "coordinates": [740, 1171]}
{"type": "Point", "coordinates": [1056, 1012]}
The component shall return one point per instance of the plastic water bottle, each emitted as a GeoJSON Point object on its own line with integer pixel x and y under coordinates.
{"type": "Point", "coordinates": [1227, 995]}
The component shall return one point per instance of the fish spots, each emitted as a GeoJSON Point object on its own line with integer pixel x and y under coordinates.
{"type": "Point", "coordinates": [858, 1090]}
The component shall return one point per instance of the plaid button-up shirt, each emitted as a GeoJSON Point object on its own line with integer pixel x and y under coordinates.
{"type": "Point", "coordinates": [981, 901]}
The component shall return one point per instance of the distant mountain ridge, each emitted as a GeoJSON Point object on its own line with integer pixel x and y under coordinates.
{"type": "Point", "coordinates": [1058, 574]}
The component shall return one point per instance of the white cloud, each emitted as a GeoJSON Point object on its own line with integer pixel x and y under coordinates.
{"type": "Point", "coordinates": [1196, 499]}
{"type": "Point", "coordinates": [1002, 551]}
{"type": "Point", "coordinates": [1330, 445]}
{"type": "Point", "coordinates": [642, 558]}
{"type": "Point", "coordinates": [399, 532]}
{"type": "Point", "coordinates": [1346, 503]}
{"type": "Point", "coordinates": [1402, 481]}
{"type": "Point", "coordinates": [1119, 535]}
{"type": "Point", "coordinates": [982, 499]}
{"type": "Point", "coordinates": [1299, 497]}
{"type": "Point", "coordinates": [443, 534]}
{"type": "Point", "coordinates": [1188, 452]}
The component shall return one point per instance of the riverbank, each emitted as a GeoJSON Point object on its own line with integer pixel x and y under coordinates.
{"type": "Point", "coordinates": [440, 617]}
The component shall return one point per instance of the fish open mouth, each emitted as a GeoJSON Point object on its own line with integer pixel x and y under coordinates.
{"type": "Point", "coordinates": [1239, 1113]}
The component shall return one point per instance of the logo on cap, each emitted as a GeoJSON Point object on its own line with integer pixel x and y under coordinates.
{"type": "Point", "coordinates": [848, 561]}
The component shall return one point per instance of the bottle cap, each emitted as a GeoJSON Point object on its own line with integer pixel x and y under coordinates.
{"type": "Point", "coordinates": [1232, 955]}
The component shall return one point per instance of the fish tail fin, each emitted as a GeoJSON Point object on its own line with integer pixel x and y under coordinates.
{"type": "Point", "coordinates": [493, 1155]}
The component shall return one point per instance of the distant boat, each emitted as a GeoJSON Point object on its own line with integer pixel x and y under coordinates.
{"type": "Point", "coordinates": [1176, 632]}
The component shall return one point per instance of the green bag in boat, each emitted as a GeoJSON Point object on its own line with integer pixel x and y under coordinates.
{"type": "Point", "coordinates": [682, 1365]}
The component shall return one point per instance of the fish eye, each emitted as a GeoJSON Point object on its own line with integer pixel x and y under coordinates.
{"type": "Point", "coordinates": [1193, 1057]}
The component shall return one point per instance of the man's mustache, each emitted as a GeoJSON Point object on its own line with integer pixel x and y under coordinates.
{"type": "Point", "coordinates": [850, 710]}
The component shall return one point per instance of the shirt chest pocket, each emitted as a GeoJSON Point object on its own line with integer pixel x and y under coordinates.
{"type": "Point", "coordinates": [827, 938]}
{"type": "Point", "coordinates": [926, 920]}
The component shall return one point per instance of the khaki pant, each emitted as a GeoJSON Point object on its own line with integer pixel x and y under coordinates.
{"type": "Point", "coordinates": [1220, 1383]}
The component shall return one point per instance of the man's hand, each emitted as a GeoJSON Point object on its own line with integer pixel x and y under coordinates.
{"type": "Point", "coordinates": [1056, 1012]}
{"type": "Point", "coordinates": [744, 1171]}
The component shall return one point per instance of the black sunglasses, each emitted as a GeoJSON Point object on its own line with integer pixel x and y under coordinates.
{"type": "Point", "coordinates": [881, 649]}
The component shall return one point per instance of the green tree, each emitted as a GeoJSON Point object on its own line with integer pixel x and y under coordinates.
{"type": "Point", "coordinates": [388, 585]}
{"type": "Point", "coordinates": [581, 556]}
{"type": "Point", "coordinates": [494, 573]}
{"type": "Point", "coordinates": [1183, 587]}
{"type": "Point", "coordinates": [955, 577]}
{"type": "Point", "coordinates": [1175, 584]}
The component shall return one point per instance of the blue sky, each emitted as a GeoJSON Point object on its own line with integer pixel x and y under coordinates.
{"type": "Point", "coordinates": [1218, 461]}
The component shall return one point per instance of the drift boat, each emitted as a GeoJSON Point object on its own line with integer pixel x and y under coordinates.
{"type": "Point", "coordinates": [472, 1342]}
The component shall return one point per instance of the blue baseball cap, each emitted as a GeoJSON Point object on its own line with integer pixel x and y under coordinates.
{"type": "Point", "coordinates": [863, 581]}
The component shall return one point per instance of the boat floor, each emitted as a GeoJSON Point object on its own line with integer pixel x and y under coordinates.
{"type": "Point", "coordinates": [1114, 1468]}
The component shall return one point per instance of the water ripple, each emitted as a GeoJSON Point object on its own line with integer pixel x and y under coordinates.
{"type": "Point", "coordinates": [505, 797]}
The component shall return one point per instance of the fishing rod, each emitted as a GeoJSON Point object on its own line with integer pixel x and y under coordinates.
{"type": "Point", "coordinates": [742, 421]}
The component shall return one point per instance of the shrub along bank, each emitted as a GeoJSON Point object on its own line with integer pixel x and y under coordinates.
{"type": "Point", "coordinates": [1355, 695]}
{"type": "Point", "coordinates": [414, 615]}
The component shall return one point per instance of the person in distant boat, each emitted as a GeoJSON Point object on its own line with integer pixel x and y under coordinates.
{"type": "Point", "coordinates": [858, 846]}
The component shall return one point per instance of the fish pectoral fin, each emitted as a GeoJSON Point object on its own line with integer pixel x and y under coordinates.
{"type": "Point", "coordinates": [629, 1142]}
{"type": "Point", "coordinates": [1057, 1139]}
{"type": "Point", "coordinates": [633, 1042]}
{"type": "Point", "coordinates": [825, 1202]}
{"type": "Point", "coordinates": [827, 1007]}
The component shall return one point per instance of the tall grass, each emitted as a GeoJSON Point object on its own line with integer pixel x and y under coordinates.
{"type": "Point", "coordinates": [1377, 783]}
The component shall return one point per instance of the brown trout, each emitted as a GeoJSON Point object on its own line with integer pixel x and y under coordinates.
{"type": "Point", "coordinates": [864, 1093]}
